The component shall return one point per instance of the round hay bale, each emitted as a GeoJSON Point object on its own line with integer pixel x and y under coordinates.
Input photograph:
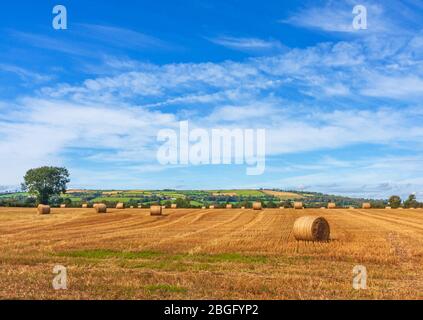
{"type": "Point", "coordinates": [84, 206]}
{"type": "Point", "coordinates": [139, 206]}
{"type": "Point", "coordinates": [211, 207]}
{"type": "Point", "coordinates": [43, 209]}
{"type": "Point", "coordinates": [100, 208]}
{"type": "Point", "coordinates": [388, 208]}
{"type": "Point", "coordinates": [352, 208]}
{"type": "Point", "coordinates": [331, 205]}
{"type": "Point", "coordinates": [298, 205]}
{"type": "Point", "coordinates": [311, 229]}
{"type": "Point", "coordinates": [174, 206]}
{"type": "Point", "coordinates": [120, 206]}
{"type": "Point", "coordinates": [282, 208]}
{"type": "Point", "coordinates": [367, 205]}
{"type": "Point", "coordinates": [242, 208]}
{"type": "Point", "coordinates": [62, 206]}
{"type": "Point", "coordinates": [228, 206]}
{"type": "Point", "coordinates": [203, 208]}
{"type": "Point", "coordinates": [257, 206]}
{"type": "Point", "coordinates": [131, 207]}
{"type": "Point", "coordinates": [156, 210]}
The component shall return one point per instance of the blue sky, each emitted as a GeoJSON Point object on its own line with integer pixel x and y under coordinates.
{"type": "Point", "coordinates": [342, 108]}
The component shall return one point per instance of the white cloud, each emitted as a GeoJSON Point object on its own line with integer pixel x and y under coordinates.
{"type": "Point", "coordinates": [250, 45]}
{"type": "Point", "coordinates": [337, 16]}
{"type": "Point", "coordinates": [24, 74]}
{"type": "Point", "coordinates": [120, 37]}
{"type": "Point", "coordinates": [398, 87]}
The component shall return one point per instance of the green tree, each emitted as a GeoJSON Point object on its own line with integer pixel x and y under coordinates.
{"type": "Point", "coordinates": [46, 182]}
{"type": "Point", "coordinates": [395, 202]}
{"type": "Point", "coordinates": [411, 202]}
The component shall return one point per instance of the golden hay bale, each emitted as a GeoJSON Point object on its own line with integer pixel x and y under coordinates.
{"type": "Point", "coordinates": [323, 208]}
{"type": "Point", "coordinates": [120, 205]}
{"type": "Point", "coordinates": [174, 206]}
{"type": "Point", "coordinates": [228, 206]}
{"type": "Point", "coordinates": [140, 206]}
{"type": "Point", "coordinates": [388, 208]}
{"type": "Point", "coordinates": [352, 208]}
{"type": "Point", "coordinates": [100, 208]}
{"type": "Point", "coordinates": [282, 208]}
{"type": "Point", "coordinates": [156, 210]}
{"type": "Point", "coordinates": [84, 206]}
{"type": "Point", "coordinates": [331, 205]}
{"type": "Point", "coordinates": [367, 205]}
{"type": "Point", "coordinates": [298, 205]}
{"type": "Point", "coordinates": [400, 208]}
{"type": "Point", "coordinates": [211, 207]}
{"type": "Point", "coordinates": [131, 207]}
{"type": "Point", "coordinates": [62, 206]}
{"type": "Point", "coordinates": [311, 229]}
{"type": "Point", "coordinates": [242, 208]}
{"type": "Point", "coordinates": [257, 206]}
{"type": "Point", "coordinates": [203, 208]}
{"type": "Point", "coordinates": [43, 209]}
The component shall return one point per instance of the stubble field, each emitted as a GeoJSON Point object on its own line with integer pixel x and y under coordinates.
{"type": "Point", "coordinates": [209, 254]}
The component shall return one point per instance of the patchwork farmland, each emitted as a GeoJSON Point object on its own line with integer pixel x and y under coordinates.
{"type": "Point", "coordinates": [209, 254]}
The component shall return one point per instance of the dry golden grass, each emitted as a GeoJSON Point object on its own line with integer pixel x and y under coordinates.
{"type": "Point", "coordinates": [209, 254]}
{"type": "Point", "coordinates": [283, 195]}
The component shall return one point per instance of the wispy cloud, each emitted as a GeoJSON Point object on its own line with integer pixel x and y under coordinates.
{"type": "Point", "coordinates": [337, 16]}
{"type": "Point", "coordinates": [24, 74]}
{"type": "Point", "coordinates": [120, 37]}
{"type": "Point", "coordinates": [54, 44]}
{"type": "Point", "coordinates": [250, 45]}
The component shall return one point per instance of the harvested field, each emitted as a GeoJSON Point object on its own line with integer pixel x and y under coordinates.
{"type": "Point", "coordinates": [209, 254]}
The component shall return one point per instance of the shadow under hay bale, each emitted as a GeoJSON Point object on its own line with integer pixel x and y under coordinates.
{"type": "Point", "coordinates": [311, 229]}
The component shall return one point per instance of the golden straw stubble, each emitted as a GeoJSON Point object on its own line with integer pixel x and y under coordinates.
{"type": "Point", "coordinates": [310, 228]}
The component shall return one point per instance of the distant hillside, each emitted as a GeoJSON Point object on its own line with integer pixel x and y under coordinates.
{"type": "Point", "coordinates": [190, 198]}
